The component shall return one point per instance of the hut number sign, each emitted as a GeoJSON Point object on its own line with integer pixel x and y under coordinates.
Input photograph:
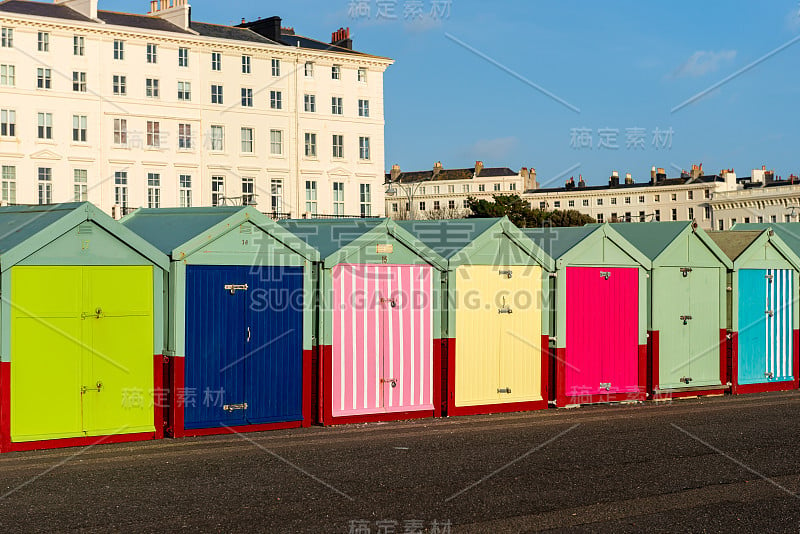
{"type": "Point", "coordinates": [385, 249]}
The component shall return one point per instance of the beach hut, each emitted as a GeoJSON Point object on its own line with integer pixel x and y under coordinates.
{"type": "Point", "coordinates": [379, 320]}
{"type": "Point", "coordinates": [81, 329]}
{"type": "Point", "coordinates": [497, 320]}
{"type": "Point", "coordinates": [686, 311]}
{"type": "Point", "coordinates": [240, 318]}
{"type": "Point", "coordinates": [600, 314]}
{"type": "Point", "coordinates": [763, 301]}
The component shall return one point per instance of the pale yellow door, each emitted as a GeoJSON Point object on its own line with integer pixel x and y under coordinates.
{"type": "Point", "coordinates": [520, 334]}
{"type": "Point", "coordinates": [477, 336]}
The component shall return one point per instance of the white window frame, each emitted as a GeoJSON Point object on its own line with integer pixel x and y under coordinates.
{"type": "Point", "coordinates": [276, 142]}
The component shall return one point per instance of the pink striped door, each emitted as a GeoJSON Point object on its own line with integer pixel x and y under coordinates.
{"type": "Point", "coordinates": [375, 342]}
{"type": "Point", "coordinates": [407, 338]}
{"type": "Point", "coordinates": [602, 331]}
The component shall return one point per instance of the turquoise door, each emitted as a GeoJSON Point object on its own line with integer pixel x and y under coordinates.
{"type": "Point", "coordinates": [765, 325]}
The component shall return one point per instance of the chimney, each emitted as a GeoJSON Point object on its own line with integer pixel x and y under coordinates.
{"type": "Point", "coordinates": [661, 175]}
{"type": "Point", "coordinates": [437, 168]}
{"type": "Point", "coordinates": [570, 183]}
{"type": "Point", "coordinates": [730, 179]}
{"type": "Point", "coordinates": [653, 175]}
{"type": "Point", "coordinates": [528, 179]}
{"type": "Point", "coordinates": [697, 171]}
{"type": "Point", "coordinates": [269, 28]}
{"type": "Point", "coordinates": [478, 168]}
{"type": "Point", "coordinates": [341, 38]}
{"type": "Point", "coordinates": [395, 172]}
{"type": "Point", "coordinates": [614, 180]}
{"type": "Point", "coordinates": [87, 8]}
{"type": "Point", "coordinates": [178, 12]}
{"type": "Point", "coordinates": [769, 177]}
{"type": "Point", "coordinates": [581, 183]}
{"type": "Point", "coordinates": [628, 178]}
{"type": "Point", "coordinates": [532, 177]}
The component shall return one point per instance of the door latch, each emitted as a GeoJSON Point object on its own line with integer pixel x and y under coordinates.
{"type": "Point", "coordinates": [234, 407]}
{"type": "Point", "coordinates": [233, 288]}
{"type": "Point", "coordinates": [685, 271]}
{"type": "Point", "coordinates": [98, 314]}
{"type": "Point", "coordinates": [769, 277]}
{"type": "Point", "coordinates": [686, 379]}
{"type": "Point", "coordinates": [504, 390]}
{"type": "Point", "coordinates": [605, 274]}
{"type": "Point", "coordinates": [769, 375]}
{"type": "Point", "coordinates": [505, 310]}
{"type": "Point", "coordinates": [392, 302]}
{"type": "Point", "coordinates": [391, 381]}
{"type": "Point", "coordinates": [770, 313]}
{"type": "Point", "coordinates": [508, 273]}
{"type": "Point", "coordinates": [605, 385]}
{"type": "Point", "coordinates": [97, 388]}
{"type": "Point", "coordinates": [686, 319]}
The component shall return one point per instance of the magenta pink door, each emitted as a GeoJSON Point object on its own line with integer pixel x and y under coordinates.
{"type": "Point", "coordinates": [382, 339]}
{"type": "Point", "coordinates": [602, 349]}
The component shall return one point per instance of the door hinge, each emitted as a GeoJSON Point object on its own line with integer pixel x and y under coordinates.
{"type": "Point", "coordinates": [234, 407]}
{"type": "Point", "coordinates": [605, 385]}
{"type": "Point", "coordinates": [605, 274]}
{"type": "Point", "coordinates": [686, 319]}
{"type": "Point", "coordinates": [233, 288]}
{"type": "Point", "coordinates": [685, 271]}
{"type": "Point", "coordinates": [504, 390]}
{"type": "Point", "coordinates": [509, 273]}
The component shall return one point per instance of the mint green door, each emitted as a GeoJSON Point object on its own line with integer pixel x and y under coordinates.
{"type": "Point", "coordinates": [671, 301]}
{"type": "Point", "coordinates": [704, 327]}
{"type": "Point", "coordinates": [686, 308]}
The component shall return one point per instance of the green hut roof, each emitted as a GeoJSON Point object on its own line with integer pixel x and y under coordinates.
{"type": "Point", "coordinates": [25, 229]}
{"type": "Point", "coordinates": [558, 241]}
{"type": "Point", "coordinates": [448, 238]}
{"type": "Point", "coordinates": [20, 223]}
{"type": "Point", "coordinates": [734, 243]}
{"type": "Point", "coordinates": [788, 232]}
{"type": "Point", "coordinates": [652, 238]}
{"type": "Point", "coordinates": [169, 228]}
{"type": "Point", "coordinates": [179, 232]}
{"type": "Point", "coordinates": [329, 236]}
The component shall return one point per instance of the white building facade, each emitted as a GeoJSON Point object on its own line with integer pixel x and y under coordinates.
{"type": "Point", "coordinates": [156, 110]}
{"type": "Point", "coordinates": [442, 193]}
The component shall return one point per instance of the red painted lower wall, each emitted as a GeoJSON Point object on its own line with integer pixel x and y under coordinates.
{"type": "Point", "coordinates": [562, 399]}
{"type": "Point", "coordinates": [175, 383]}
{"type": "Point", "coordinates": [654, 380]}
{"type": "Point", "coordinates": [450, 390]}
{"type": "Point", "coordinates": [6, 445]}
{"type": "Point", "coordinates": [326, 402]}
{"type": "Point", "coordinates": [739, 389]}
{"type": "Point", "coordinates": [5, 406]}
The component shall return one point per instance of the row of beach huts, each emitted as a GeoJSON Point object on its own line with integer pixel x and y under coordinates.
{"type": "Point", "coordinates": [194, 321]}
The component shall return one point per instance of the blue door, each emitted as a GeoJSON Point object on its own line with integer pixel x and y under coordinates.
{"type": "Point", "coordinates": [244, 347]}
{"type": "Point", "coordinates": [274, 345]}
{"type": "Point", "coordinates": [765, 325]}
{"type": "Point", "coordinates": [215, 335]}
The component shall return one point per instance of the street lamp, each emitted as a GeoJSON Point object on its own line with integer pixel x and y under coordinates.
{"type": "Point", "coordinates": [410, 192]}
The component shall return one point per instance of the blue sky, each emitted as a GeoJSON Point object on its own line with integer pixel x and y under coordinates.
{"type": "Point", "coordinates": [623, 64]}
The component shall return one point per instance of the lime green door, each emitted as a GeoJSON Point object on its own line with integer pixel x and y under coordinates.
{"type": "Point", "coordinates": [46, 351]}
{"type": "Point", "coordinates": [704, 332]}
{"type": "Point", "coordinates": [81, 352]}
{"type": "Point", "coordinates": [118, 358]}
